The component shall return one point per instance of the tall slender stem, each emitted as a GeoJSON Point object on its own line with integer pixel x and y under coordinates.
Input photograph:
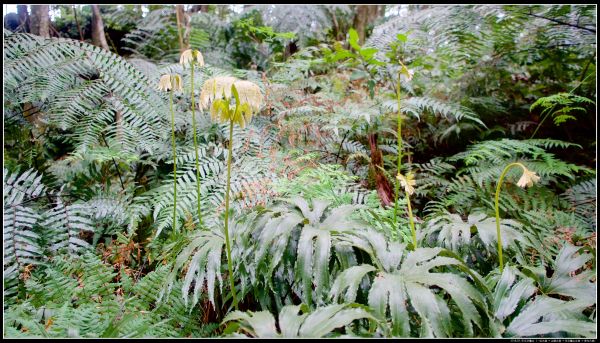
{"type": "Point", "coordinates": [196, 148]}
{"type": "Point", "coordinates": [399, 138]}
{"type": "Point", "coordinates": [497, 207]}
{"type": "Point", "coordinates": [174, 160]}
{"type": "Point", "coordinates": [547, 114]}
{"type": "Point", "coordinates": [413, 231]}
{"type": "Point", "coordinates": [227, 244]}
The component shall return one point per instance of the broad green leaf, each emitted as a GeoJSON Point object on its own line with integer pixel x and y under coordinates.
{"type": "Point", "coordinates": [319, 323]}
{"type": "Point", "coordinates": [368, 53]}
{"type": "Point", "coordinates": [353, 39]}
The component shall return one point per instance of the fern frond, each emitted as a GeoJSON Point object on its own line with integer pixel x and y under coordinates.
{"type": "Point", "coordinates": [63, 226]}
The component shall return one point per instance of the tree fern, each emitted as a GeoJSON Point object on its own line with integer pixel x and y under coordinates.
{"type": "Point", "coordinates": [95, 86]}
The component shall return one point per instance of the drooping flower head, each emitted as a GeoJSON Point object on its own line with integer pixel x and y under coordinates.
{"type": "Point", "coordinates": [249, 93]}
{"type": "Point", "coordinates": [168, 82]}
{"type": "Point", "coordinates": [221, 90]}
{"type": "Point", "coordinates": [191, 56]}
{"type": "Point", "coordinates": [215, 88]}
{"type": "Point", "coordinates": [407, 182]}
{"type": "Point", "coordinates": [528, 178]}
{"type": "Point", "coordinates": [405, 73]}
{"type": "Point", "coordinates": [164, 84]}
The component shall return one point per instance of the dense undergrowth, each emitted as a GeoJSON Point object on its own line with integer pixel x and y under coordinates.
{"type": "Point", "coordinates": [364, 197]}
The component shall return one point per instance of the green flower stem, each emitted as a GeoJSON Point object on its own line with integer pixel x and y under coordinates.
{"type": "Point", "coordinates": [227, 245]}
{"type": "Point", "coordinates": [497, 197]}
{"type": "Point", "coordinates": [196, 147]}
{"type": "Point", "coordinates": [412, 222]}
{"type": "Point", "coordinates": [174, 160]}
{"type": "Point", "coordinates": [399, 137]}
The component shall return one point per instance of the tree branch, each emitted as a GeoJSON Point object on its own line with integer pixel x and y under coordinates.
{"type": "Point", "coordinates": [560, 22]}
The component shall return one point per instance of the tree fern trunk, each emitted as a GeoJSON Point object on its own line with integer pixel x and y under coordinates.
{"type": "Point", "coordinates": [384, 190]}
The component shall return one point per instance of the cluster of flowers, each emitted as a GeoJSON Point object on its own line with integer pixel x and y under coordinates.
{"type": "Point", "coordinates": [219, 91]}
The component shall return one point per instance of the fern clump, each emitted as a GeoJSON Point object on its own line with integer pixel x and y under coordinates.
{"type": "Point", "coordinates": [324, 171]}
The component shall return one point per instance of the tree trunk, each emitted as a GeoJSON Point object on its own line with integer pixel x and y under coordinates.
{"type": "Point", "coordinates": [290, 49]}
{"type": "Point", "coordinates": [181, 24]}
{"type": "Point", "coordinates": [384, 189]}
{"type": "Point", "coordinates": [23, 18]}
{"type": "Point", "coordinates": [40, 20]}
{"type": "Point", "coordinates": [363, 17]}
{"type": "Point", "coordinates": [381, 13]}
{"type": "Point", "coordinates": [199, 8]}
{"type": "Point", "coordinates": [77, 22]}
{"type": "Point", "coordinates": [98, 36]}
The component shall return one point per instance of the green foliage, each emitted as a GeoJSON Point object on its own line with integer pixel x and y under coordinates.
{"type": "Point", "coordinates": [64, 223]}
{"type": "Point", "coordinates": [82, 89]}
{"type": "Point", "coordinates": [451, 232]}
{"type": "Point", "coordinates": [298, 321]}
{"type": "Point", "coordinates": [327, 182]}
{"type": "Point", "coordinates": [561, 106]}
{"type": "Point", "coordinates": [21, 242]}
{"type": "Point", "coordinates": [408, 276]}
{"type": "Point", "coordinates": [523, 302]}
{"type": "Point", "coordinates": [76, 297]}
{"type": "Point", "coordinates": [583, 198]}
{"type": "Point", "coordinates": [300, 242]}
{"type": "Point", "coordinates": [315, 248]}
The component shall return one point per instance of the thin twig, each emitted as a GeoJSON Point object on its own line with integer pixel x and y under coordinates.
{"type": "Point", "coordinates": [115, 163]}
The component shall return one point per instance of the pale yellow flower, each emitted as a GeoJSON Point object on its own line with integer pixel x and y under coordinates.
{"type": "Point", "coordinates": [249, 93]}
{"type": "Point", "coordinates": [407, 182]}
{"type": "Point", "coordinates": [407, 73]}
{"type": "Point", "coordinates": [216, 88]}
{"type": "Point", "coordinates": [188, 56]}
{"type": "Point", "coordinates": [220, 90]}
{"type": "Point", "coordinates": [164, 84]}
{"type": "Point", "coordinates": [528, 178]}
{"type": "Point", "coordinates": [176, 82]}
{"type": "Point", "coordinates": [168, 82]}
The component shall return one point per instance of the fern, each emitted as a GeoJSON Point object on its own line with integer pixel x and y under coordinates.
{"type": "Point", "coordinates": [582, 197]}
{"type": "Point", "coordinates": [63, 225]}
{"type": "Point", "coordinates": [21, 240]}
{"type": "Point", "coordinates": [94, 87]}
{"type": "Point", "coordinates": [76, 297]}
